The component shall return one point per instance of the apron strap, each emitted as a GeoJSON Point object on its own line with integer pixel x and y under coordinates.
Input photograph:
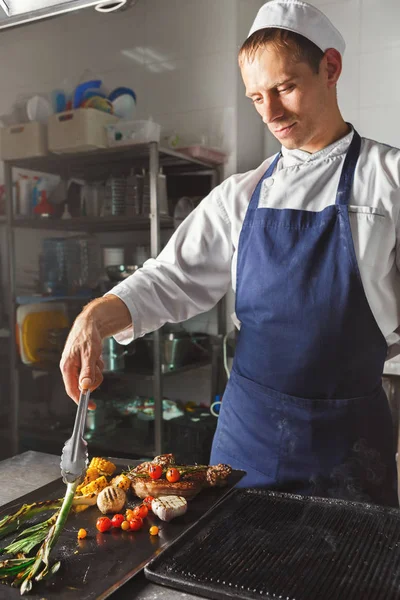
{"type": "Point", "coordinates": [346, 178]}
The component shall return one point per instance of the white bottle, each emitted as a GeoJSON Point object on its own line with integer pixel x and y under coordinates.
{"type": "Point", "coordinates": [25, 192]}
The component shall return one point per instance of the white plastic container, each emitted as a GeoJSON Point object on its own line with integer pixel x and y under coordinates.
{"type": "Point", "coordinates": [127, 133]}
{"type": "Point", "coordinates": [79, 130]}
{"type": "Point", "coordinates": [113, 256]}
{"type": "Point", "coordinates": [25, 140]}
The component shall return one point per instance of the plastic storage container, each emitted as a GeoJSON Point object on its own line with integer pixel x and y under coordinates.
{"type": "Point", "coordinates": [127, 133]}
{"type": "Point", "coordinates": [79, 130]}
{"type": "Point", "coordinates": [34, 323]}
{"type": "Point", "coordinates": [25, 140]}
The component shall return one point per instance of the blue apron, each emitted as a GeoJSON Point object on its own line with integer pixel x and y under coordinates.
{"type": "Point", "coordinates": [304, 410]}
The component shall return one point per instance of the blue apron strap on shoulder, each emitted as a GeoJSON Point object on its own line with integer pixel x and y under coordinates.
{"type": "Point", "coordinates": [346, 179]}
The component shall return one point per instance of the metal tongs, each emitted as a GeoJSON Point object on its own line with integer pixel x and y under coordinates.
{"type": "Point", "coordinates": [74, 456]}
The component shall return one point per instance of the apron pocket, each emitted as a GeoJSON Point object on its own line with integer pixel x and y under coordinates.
{"type": "Point", "coordinates": [250, 427]}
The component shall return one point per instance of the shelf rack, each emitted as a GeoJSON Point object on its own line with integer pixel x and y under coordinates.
{"type": "Point", "coordinates": [95, 166]}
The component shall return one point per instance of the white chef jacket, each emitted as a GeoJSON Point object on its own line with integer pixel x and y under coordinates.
{"type": "Point", "coordinates": [197, 266]}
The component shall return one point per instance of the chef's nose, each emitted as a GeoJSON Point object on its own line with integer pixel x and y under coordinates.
{"type": "Point", "coordinates": [271, 109]}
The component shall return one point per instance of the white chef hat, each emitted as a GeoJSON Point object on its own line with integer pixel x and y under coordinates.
{"type": "Point", "coordinates": [302, 18]}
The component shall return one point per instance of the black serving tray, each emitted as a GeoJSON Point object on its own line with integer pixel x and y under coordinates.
{"type": "Point", "coordinates": [260, 544]}
{"type": "Point", "coordinates": [94, 568]}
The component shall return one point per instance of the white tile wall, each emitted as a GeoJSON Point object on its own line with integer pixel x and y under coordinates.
{"type": "Point", "coordinates": [179, 56]}
{"type": "Point", "coordinates": [369, 87]}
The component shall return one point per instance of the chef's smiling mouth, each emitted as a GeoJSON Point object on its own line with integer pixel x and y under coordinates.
{"type": "Point", "coordinates": [284, 129]}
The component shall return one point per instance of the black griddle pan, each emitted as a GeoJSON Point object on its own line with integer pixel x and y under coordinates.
{"type": "Point", "coordinates": [94, 568]}
{"type": "Point", "coordinates": [260, 544]}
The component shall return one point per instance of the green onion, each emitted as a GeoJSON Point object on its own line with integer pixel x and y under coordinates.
{"type": "Point", "coordinates": [43, 554]}
{"type": "Point", "coordinates": [11, 523]}
{"type": "Point", "coordinates": [21, 571]}
{"type": "Point", "coordinates": [30, 537]}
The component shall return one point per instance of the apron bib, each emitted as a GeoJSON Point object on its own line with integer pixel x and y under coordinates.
{"type": "Point", "coordinates": [304, 410]}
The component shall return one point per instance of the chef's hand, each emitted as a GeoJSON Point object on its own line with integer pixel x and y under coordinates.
{"type": "Point", "coordinates": [81, 363]}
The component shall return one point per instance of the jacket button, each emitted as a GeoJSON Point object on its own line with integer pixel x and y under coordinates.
{"type": "Point", "coordinates": [269, 182]}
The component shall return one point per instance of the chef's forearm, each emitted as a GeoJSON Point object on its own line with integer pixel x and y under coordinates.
{"type": "Point", "coordinates": [109, 314]}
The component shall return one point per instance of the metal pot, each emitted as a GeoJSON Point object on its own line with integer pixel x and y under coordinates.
{"type": "Point", "coordinates": [113, 355]}
{"type": "Point", "coordinates": [177, 349]}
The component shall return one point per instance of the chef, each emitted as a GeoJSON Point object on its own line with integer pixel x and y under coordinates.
{"type": "Point", "coordinates": [308, 241]}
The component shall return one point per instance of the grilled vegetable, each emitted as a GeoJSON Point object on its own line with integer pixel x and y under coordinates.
{"type": "Point", "coordinates": [30, 537]}
{"type": "Point", "coordinates": [105, 467]}
{"type": "Point", "coordinates": [135, 524]}
{"type": "Point", "coordinates": [95, 487]}
{"type": "Point", "coordinates": [23, 570]}
{"type": "Point", "coordinates": [111, 500]}
{"type": "Point", "coordinates": [117, 520]}
{"type": "Point", "coordinates": [82, 533]}
{"type": "Point", "coordinates": [121, 481]}
{"type": "Point", "coordinates": [153, 530]}
{"type": "Point", "coordinates": [169, 507]}
{"type": "Point", "coordinates": [91, 475]}
{"type": "Point", "coordinates": [103, 524]}
{"type": "Point", "coordinates": [13, 522]}
{"type": "Point", "coordinates": [173, 475]}
{"type": "Point", "coordinates": [141, 511]}
{"type": "Point", "coordinates": [155, 471]}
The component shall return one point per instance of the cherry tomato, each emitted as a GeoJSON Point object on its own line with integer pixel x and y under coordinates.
{"type": "Point", "coordinates": [141, 511]}
{"type": "Point", "coordinates": [155, 471]}
{"type": "Point", "coordinates": [173, 475]}
{"type": "Point", "coordinates": [125, 525]}
{"type": "Point", "coordinates": [129, 514]}
{"type": "Point", "coordinates": [136, 523]}
{"type": "Point", "coordinates": [117, 520]}
{"type": "Point", "coordinates": [103, 524]}
{"type": "Point", "coordinates": [82, 533]}
{"type": "Point", "coordinates": [147, 501]}
{"type": "Point", "coordinates": [153, 530]}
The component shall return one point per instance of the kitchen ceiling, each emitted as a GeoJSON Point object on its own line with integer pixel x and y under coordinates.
{"type": "Point", "coordinates": [18, 12]}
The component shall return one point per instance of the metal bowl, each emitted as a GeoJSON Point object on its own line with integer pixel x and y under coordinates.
{"type": "Point", "coordinates": [120, 272]}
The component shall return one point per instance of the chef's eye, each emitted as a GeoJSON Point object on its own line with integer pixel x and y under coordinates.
{"type": "Point", "coordinates": [289, 88]}
{"type": "Point", "coordinates": [257, 100]}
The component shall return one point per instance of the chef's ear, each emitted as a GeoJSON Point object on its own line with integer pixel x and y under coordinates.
{"type": "Point", "coordinates": [333, 66]}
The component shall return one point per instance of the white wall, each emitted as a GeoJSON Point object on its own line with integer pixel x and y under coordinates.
{"type": "Point", "coordinates": [178, 55]}
{"type": "Point", "coordinates": [369, 87]}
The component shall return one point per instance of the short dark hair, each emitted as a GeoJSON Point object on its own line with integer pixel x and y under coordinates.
{"type": "Point", "coordinates": [302, 49]}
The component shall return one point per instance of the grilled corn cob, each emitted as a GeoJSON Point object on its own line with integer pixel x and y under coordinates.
{"type": "Point", "coordinates": [121, 481]}
{"type": "Point", "coordinates": [91, 475]}
{"type": "Point", "coordinates": [104, 466]}
{"type": "Point", "coordinates": [94, 487]}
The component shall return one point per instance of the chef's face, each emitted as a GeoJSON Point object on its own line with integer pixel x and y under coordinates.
{"type": "Point", "coordinates": [294, 102]}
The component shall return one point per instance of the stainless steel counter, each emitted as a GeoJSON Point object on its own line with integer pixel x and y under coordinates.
{"type": "Point", "coordinates": [29, 471]}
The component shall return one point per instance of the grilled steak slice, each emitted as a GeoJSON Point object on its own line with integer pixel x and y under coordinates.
{"type": "Point", "coordinates": [161, 487]}
{"type": "Point", "coordinates": [193, 478]}
{"type": "Point", "coordinates": [164, 460]}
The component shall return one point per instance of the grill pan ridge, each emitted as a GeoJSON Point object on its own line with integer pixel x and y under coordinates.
{"type": "Point", "coordinates": [261, 544]}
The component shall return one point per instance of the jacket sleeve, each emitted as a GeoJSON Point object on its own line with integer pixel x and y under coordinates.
{"type": "Point", "coordinates": [189, 276]}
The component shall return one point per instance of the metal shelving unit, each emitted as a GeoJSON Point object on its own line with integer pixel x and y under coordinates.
{"type": "Point", "coordinates": [92, 224]}
{"type": "Point", "coordinates": [91, 166]}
